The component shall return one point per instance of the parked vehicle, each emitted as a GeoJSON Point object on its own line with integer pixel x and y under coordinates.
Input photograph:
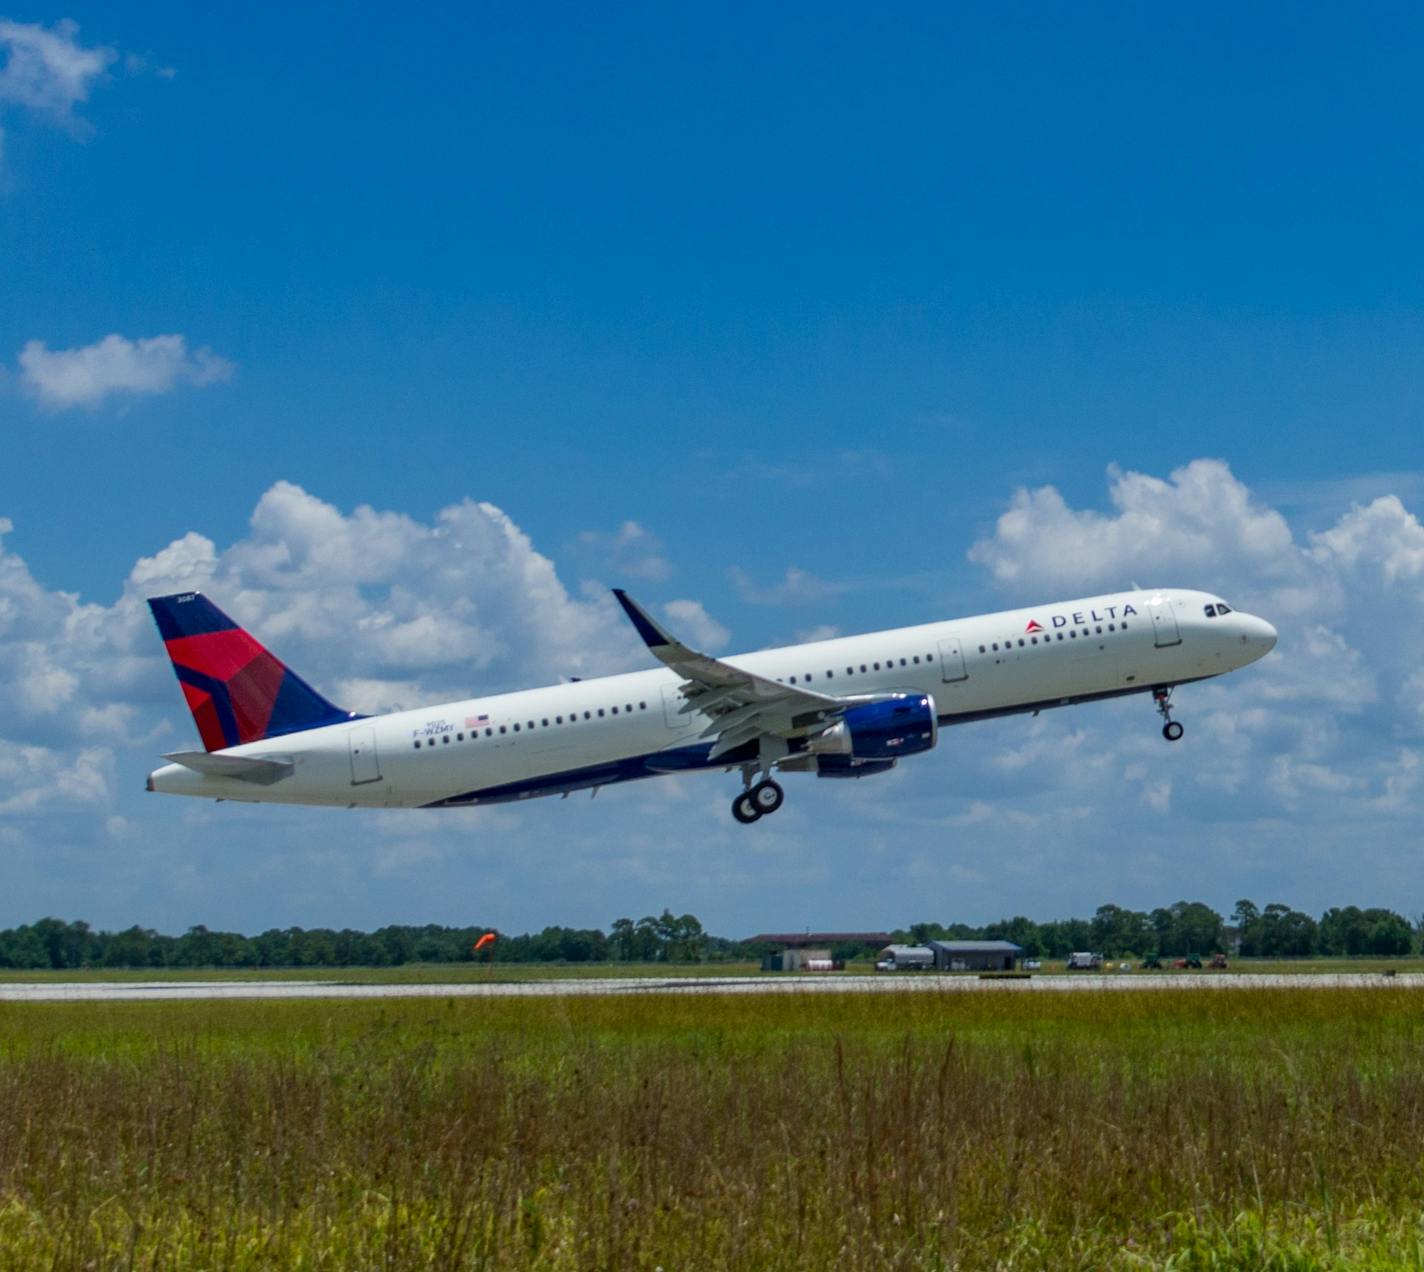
{"type": "Point", "coordinates": [1152, 963]}
{"type": "Point", "coordinates": [1218, 962]}
{"type": "Point", "coordinates": [1084, 961]}
{"type": "Point", "coordinates": [1192, 961]}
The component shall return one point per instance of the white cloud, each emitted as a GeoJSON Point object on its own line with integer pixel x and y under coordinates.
{"type": "Point", "coordinates": [692, 624]}
{"type": "Point", "coordinates": [60, 378]}
{"type": "Point", "coordinates": [48, 71]}
{"type": "Point", "coordinates": [1187, 531]}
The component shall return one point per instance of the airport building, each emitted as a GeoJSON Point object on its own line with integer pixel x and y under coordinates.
{"type": "Point", "coordinates": [810, 951]}
{"type": "Point", "coordinates": [975, 956]}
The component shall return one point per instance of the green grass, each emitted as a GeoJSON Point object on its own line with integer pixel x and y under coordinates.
{"type": "Point", "coordinates": [1270, 1128]}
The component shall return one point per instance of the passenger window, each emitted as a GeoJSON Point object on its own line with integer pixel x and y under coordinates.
{"type": "Point", "coordinates": [1099, 629]}
{"type": "Point", "coordinates": [642, 706]}
{"type": "Point", "coordinates": [1033, 640]}
{"type": "Point", "coordinates": [587, 716]}
{"type": "Point", "coordinates": [446, 739]}
{"type": "Point", "coordinates": [615, 710]}
{"type": "Point", "coordinates": [1060, 635]}
{"type": "Point", "coordinates": [516, 727]}
{"type": "Point", "coordinates": [793, 680]}
{"type": "Point", "coordinates": [862, 669]}
{"type": "Point", "coordinates": [981, 649]}
{"type": "Point", "coordinates": [600, 713]}
{"type": "Point", "coordinates": [545, 723]}
{"type": "Point", "coordinates": [459, 737]}
{"type": "Point", "coordinates": [877, 666]}
{"type": "Point", "coordinates": [417, 744]}
{"type": "Point", "coordinates": [558, 719]}
{"type": "Point", "coordinates": [1021, 644]}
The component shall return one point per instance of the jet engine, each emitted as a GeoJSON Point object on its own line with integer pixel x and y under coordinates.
{"type": "Point", "coordinates": [885, 730]}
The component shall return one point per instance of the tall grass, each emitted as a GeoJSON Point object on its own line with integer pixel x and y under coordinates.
{"type": "Point", "coordinates": [1240, 1128]}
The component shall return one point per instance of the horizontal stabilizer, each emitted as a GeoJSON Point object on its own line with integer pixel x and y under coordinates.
{"type": "Point", "coordinates": [244, 768]}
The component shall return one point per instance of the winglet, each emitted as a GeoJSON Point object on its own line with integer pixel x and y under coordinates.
{"type": "Point", "coordinates": [653, 635]}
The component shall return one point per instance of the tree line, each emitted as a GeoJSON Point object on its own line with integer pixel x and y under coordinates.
{"type": "Point", "coordinates": [1186, 927]}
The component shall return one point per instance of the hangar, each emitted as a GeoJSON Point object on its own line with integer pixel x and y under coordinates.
{"type": "Point", "coordinates": [975, 956]}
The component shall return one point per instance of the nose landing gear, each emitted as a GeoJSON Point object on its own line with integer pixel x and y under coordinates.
{"type": "Point", "coordinates": [759, 800]}
{"type": "Point", "coordinates": [1171, 730]}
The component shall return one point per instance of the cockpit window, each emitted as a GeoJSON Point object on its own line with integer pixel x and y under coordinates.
{"type": "Point", "coordinates": [1211, 611]}
{"type": "Point", "coordinates": [1223, 608]}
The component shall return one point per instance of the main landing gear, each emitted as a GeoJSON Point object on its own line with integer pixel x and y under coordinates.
{"type": "Point", "coordinates": [757, 801]}
{"type": "Point", "coordinates": [1171, 730]}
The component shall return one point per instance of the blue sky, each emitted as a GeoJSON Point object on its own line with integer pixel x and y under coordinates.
{"type": "Point", "coordinates": [793, 317]}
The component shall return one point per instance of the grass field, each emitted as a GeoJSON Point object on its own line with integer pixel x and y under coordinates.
{"type": "Point", "coordinates": [1270, 1128]}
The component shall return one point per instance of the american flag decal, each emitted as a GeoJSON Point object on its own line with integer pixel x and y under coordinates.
{"type": "Point", "coordinates": [476, 722]}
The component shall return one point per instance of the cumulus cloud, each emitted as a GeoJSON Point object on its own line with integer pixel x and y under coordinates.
{"type": "Point", "coordinates": [47, 70]}
{"type": "Point", "coordinates": [1188, 528]}
{"type": "Point", "coordinates": [60, 378]}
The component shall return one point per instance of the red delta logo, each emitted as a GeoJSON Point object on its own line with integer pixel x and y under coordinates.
{"type": "Point", "coordinates": [1033, 626]}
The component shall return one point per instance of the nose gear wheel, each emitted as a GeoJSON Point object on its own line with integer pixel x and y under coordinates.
{"type": "Point", "coordinates": [1171, 730]}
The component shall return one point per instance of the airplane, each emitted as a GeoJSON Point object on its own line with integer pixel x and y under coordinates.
{"type": "Point", "coordinates": [849, 707]}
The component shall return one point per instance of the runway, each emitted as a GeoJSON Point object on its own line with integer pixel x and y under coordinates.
{"type": "Point", "coordinates": [155, 991]}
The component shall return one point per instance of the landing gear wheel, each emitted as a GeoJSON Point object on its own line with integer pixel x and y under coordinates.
{"type": "Point", "coordinates": [766, 797]}
{"type": "Point", "coordinates": [1171, 730]}
{"type": "Point", "coordinates": [744, 810]}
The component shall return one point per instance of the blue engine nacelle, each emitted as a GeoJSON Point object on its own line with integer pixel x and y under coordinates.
{"type": "Point", "coordinates": [884, 730]}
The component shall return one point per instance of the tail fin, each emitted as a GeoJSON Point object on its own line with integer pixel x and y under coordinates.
{"type": "Point", "coordinates": [236, 690]}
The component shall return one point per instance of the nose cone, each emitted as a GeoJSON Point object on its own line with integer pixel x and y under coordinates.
{"type": "Point", "coordinates": [1258, 635]}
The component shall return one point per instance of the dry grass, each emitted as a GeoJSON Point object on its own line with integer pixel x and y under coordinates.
{"type": "Point", "coordinates": [1250, 1129]}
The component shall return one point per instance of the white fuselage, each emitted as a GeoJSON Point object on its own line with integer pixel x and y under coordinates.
{"type": "Point", "coordinates": [594, 732]}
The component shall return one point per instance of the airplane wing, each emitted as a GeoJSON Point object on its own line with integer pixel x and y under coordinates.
{"type": "Point", "coordinates": [743, 706]}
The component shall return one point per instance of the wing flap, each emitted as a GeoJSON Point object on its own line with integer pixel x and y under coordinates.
{"type": "Point", "coordinates": [739, 705]}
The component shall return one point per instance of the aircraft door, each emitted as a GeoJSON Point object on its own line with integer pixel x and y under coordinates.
{"type": "Point", "coordinates": [1164, 622]}
{"type": "Point", "coordinates": [365, 765]}
{"type": "Point", "coordinates": [951, 661]}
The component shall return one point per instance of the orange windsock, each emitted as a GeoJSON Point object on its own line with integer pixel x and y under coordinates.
{"type": "Point", "coordinates": [486, 939]}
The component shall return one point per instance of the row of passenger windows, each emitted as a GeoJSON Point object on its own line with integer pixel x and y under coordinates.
{"type": "Point", "coordinates": [543, 723]}
{"type": "Point", "coordinates": [865, 668]}
{"type": "Point", "coordinates": [1048, 639]}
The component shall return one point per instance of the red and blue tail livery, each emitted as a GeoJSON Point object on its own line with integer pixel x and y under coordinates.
{"type": "Point", "coordinates": [237, 691]}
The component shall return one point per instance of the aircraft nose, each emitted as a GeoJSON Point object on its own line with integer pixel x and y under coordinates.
{"type": "Point", "coordinates": [1259, 635]}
